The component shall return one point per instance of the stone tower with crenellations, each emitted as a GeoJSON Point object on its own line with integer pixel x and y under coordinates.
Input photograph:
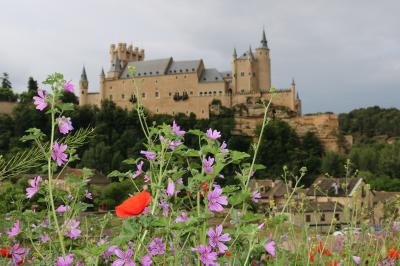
{"type": "Point", "coordinates": [169, 86]}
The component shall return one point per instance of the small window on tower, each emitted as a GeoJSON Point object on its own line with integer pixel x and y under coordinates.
{"type": "Point", "coordinates": [201, 93]}
{"type": "Point", "coordinates": [157, 94]}
{"type": "Point", "coordinates": [254, 74]}
{"type": "Point", "coordinates": [143, 95]}
{"type": "Point", "coordinates": [110, 97]}
{"type": "Point", "coordinates": [83, 92]}
{"type": "Point", "coordinates": [242, 74]}
{"type": "Point", "coordinates": [123, 96]}
{"type": "Point", "coordinates": [170, 94]}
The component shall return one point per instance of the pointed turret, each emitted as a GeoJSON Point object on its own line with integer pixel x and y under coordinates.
{"type": "Point", "coordinates": [234, 53]}
{"type": "Point", "coordinates": [115, 69]}
{"type": "Point", "coordinates": [264, 43]}
{"type": "Point", "coordinates": [293, 83]}
{"type": "Point", "coordinates": [102, 75]}
{"type": "Point", "coordinates": [83, 75]}
{"type": "Point", "coordinates": [251, 53]}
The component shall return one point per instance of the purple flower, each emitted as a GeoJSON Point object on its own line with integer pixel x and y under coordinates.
{"type": "Point", "coordinates": [182, 218]}
{"type": "Point", "coordinates": [215, 200]}
{"type": "Point", "coordinates": [18, 253]}
{"type": "Point", "coordinates": [174, 144]}
{"type": "Point", "coordinates": [396, 226]}
{"type": "Point", "coordinates": [357, 260]}
{"type": "Point", "coordinates": [63, 208]}
{"type": "Point", "coordinates": [260, 226]}
{"type": "Point", "coordinates": [179, 181]}
{"type": "Point", "coordinates": [223, 148]}
{"type": "Point", "coordinates": [64, 125]}
{"type": "Point", "coordinates": [146, 178]}
{"type": "Point", "coordinates": [165, 207]}
{"type": "Point", "coordinates": [170, 187]}
{"type": "Point", "coordinates": [44, 238]}
{"type": "Point", "coordinates": [270, 247]}
{"type": "Point", "coordinates": [157, 246]}
{"type": "Point", "coordinates": [216, 238]}
{"type": "Point", "coordinates": [139, 170]}
{"type": "Point", "coordinates": [208, 165]}
{"type": "Point", "coordinates": [72, 229]}
{"type": "Point", "coordinates": [88, 194]}
{"type": "Point", "coordinates": [146, 260]}
{"type": "Point", "coordinates": [124, 258]}
{"type": "Point", "coordinates": [109, 251]}
{"type": "Point", "coordinates": [15, 230]}
{"type": "Point", "coordinates": [58, 154]}
{"type": "Point", "coordinates": [65, 261]}
{"type": "Point", "coordinates": [34, 183]}
{"type": "Point", "coordinates": [177, 129]}
{"type": "Point", "coordinates": [40, 100]}
{"type": "Point", "coordinates": [213, 134]}
{"type": "Point", "coordinates": [207, 255]}
{"type": "Point", "coordinates": [68, 86]}
{"type": "Point", "coordinates": [255, 196]}
{"type": "Point", "coordinates": [149, 155]}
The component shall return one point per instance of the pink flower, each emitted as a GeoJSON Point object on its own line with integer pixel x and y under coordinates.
{"type": "Point", "coordinates": [216, 239]}
{"type": "Point", "coordinates": [64, 125]}
{"type": "Point", "coordinates": [44, 238]}
{"type": "Point", "coordinates": [146, 260]}
{"type": "Point", "coordinates": [146, 178]}
{"type": "Point", "coordinates": [255, 196]}
{"type": "Point", "coordinates": [88, 194]}
{"type": "Point", "coordinates": [65, 261]}
{"type": "Point", "coordinates": [165, 208]}
{"type": "Point", "coordinates": [109, 251]}
{"type": "Point", "coordinates": [58, 154]}
{"type": "Point", "coordinates": [68, 86]}
{"type": "Point", "coordinates": [174, 144]}
{"type": "Point", "coordinates": [213, 134]}
{"type": "Point", "coordinates": [207, 255]}
{"type": "Point", "coordinates": [40, 100]}
{"type": "Point", "coordinates": [215, 200]}
{"type": "Point", "coordinates": [63, 208]}
{"type": "Point", "coordinates": [72, 229]}
{"type": "Point", "coordinates": [357, 260]}
{"type": "Point", "coordinates": [223, 148]}
{"type": "Point", "coordinates": [177, 129]}
{"type": "Point", "coordinates": [18, 254]}
{"type": "Point", "coordinates": [157, 247]}
{"type": "Point", "coordinates": [124, 258]}
{"type": "Point", "coordinates": [139, 170]}
{"type": "Point", "coordinates": [170, 187]}
{"type": "Point", "coordinates": [182, 218]}
{"type": "Point", "coordinates": [208, 165]}
{"type": "Point", "coordinates": [149, 155]}
{"type": "Point", "coordinates": [260, 226]}
{"type": "Point", "coordinates": [34, 183]}
{"type": "Point", "coordinates": [15, 230]}
{"type": "Point", "coordinates": [270, 247]}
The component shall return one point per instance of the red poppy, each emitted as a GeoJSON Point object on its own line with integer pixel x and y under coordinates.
{"type": "Point", "coordinates": [4, 253]}
{"type": "Point", "coordinates": [311, 256]}
{"type": "Point", "coordinates": [333, 263]}
{"type": "Point", "coordinates": [393, 253]}
{"type": "Point", "coordinates": [322, 250]}
{"type": "Point", "coordinates": [228, 254]}
{"type": "Point", "coordinates": [133, 206]}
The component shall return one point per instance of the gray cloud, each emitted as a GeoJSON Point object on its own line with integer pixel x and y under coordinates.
{"type": "Point", "coordinates": [343, 54]}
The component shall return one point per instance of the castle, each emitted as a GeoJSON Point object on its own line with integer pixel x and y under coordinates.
{"type": "Point", "coordinates": [171, 87]}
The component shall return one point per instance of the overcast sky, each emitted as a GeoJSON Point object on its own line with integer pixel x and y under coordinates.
{"type": "Point", "coordinates": [343, 54]}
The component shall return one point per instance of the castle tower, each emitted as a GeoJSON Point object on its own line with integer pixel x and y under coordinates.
{"type": "Point", "coordinates": [242, 71]}
{"type": "Point", "coordinates": [115, 69]}
{"type": "Point", "coordinates": [263, 72]}
{"type": "Point", "coordinates": [252, 72]}
{"type": "Point", "coordinates": [83, 88]}
{"type": "Point", "coordinates": [234, 72]}
{"type": "Point", "coordinates": [102, 84]}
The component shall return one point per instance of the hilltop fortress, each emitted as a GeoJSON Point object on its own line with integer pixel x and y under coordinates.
{"type": "Point", "coordinates": [170, 87]}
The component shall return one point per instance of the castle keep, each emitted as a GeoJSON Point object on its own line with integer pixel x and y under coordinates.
{"type": "Point", "coordinates": [170, 87]}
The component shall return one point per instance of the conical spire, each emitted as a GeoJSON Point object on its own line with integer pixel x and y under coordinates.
{"type": "Point", "coordinates": [264, 43]}
{"type": "Point", "coordinates": [251, 52]}
{"type": "Point", "coordinates": [234, 53]}
{"type": "Point", "coordinates": [83, 75]}
{"type": "Point", "coordinates": [102, 73]}
{"type": "Point", "coordinates": [293, 83]}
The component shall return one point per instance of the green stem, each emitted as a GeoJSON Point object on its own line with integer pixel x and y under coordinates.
{"type": "Point", "coordinates": [50, 181]}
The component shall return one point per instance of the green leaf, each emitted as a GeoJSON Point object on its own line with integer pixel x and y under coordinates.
{"type": "Point", "coordinates": [196, 132]}
{"type": "Point", "coordinates": [67, 107]}
{"type": "Point", "coordinates": [130, 161]}
{"type": "Point", "coordinates": [237, 156]}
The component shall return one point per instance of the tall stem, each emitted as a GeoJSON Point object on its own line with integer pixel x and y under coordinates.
{"type": "Point", "coordinates": [50, 181]}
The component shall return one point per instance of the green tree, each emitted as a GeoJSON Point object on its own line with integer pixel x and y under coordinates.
{"type": "Point", "coordinates": [5, 81]}
{"type": "Point", "coordinates": [32, 85]}
{"type": "Point", "coordinates": [333, 164]}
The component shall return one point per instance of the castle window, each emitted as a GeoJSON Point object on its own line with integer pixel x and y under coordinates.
{"type": "Point", "coordinates": [156, 81]}
{"type": "Point", "coordinates": [184, 76]}
{"type": "Point", "coordinates": [157, 72]}
{"type": "Point", "coordinates": [242, 91]}
{"type": "Point", "coordinates": [228, 75]}
{"type": "Point", "coordinates": [215, 93]}
{"type": "Point", "coordinates": [249, 73]}
{"type": "Point", "coordinates": [180, 70]}
{"type": "Point", "coordinates": [192, 69]}
{"type": "Point", "coordinates": [216, 78]}
{"type": "Point", "coordinates": [210, 92]}
{"type": "Point", "coordinates": [157, 94]}
{"type": "Point", "coordinates": [139, 74]}
{"type": "Point", "coordinates": [323, 217]}
{"type": "Point", "coordinates": [173, 113]}
{"type": "Point", "coordinates": [143, 95]}
{"type": "Point", "coordinates": [337, 216]}
{"type": "Point", "coordinates": [202, 111]}
{"type": "Point", "coordinates": [151, 73]}
{"type": "Point", "coordinates": [176, 77]}
{"type": "Point", "coordinates": [220, 92]}
{"type": "Point", "coordinates": [187, 112]}
{"type": "Point", "coordinates": [145, 73]}
{"type": "Point", "coordinates": [170, 94]}
{"type": "Point", "coordinates": [174, 71]}
{"type": "Point", "coordinates": [123, 96]}
{"type": "Point", "coordinates": [187, 70]}
{"type": "Point", "coordinates": [127, 75]}
{"type": "Point", "coordinates": [83, 92]}
{"type": "Point", "coordinates": [110, 97]}
{"type": "Point", "coordinates": [204, 79]}
{"type": "Point", "coordinates": [191, 93]}
{"type": "Point", "coordinates": [201, 93]}
{"type": "Point", "coordinates": [170, 71]}
{"type": "Point", "coordinates": [254, 74]}
{"type": "Point", "coordinates": [157, 110]}
{"type": "Point", "coordinates": [242, 74]}
{"type": "Point", "coordinates": [308, 218]}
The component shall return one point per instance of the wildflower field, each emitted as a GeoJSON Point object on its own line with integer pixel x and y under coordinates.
{"type": "Point", "coordinates": [178, 214]}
